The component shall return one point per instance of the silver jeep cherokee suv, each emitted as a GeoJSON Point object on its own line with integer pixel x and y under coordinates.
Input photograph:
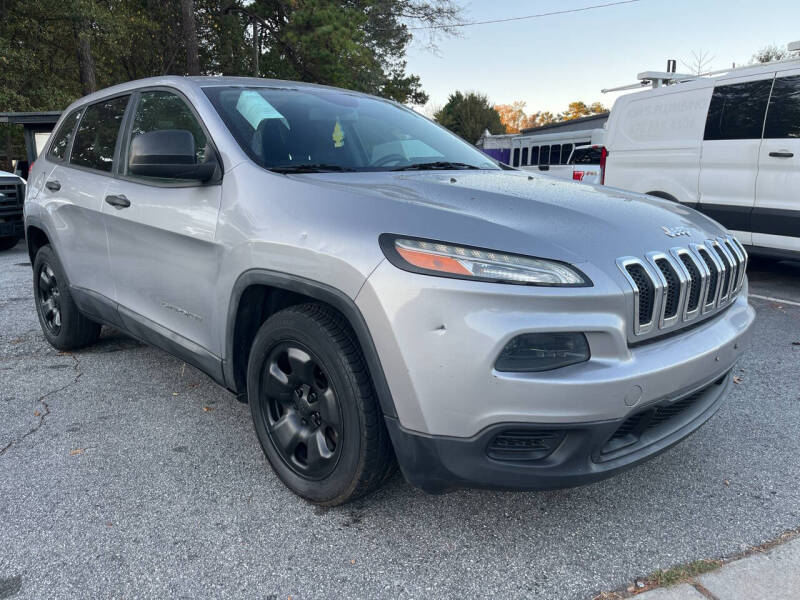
{"type": "Point", "coordinates": [376, 288]}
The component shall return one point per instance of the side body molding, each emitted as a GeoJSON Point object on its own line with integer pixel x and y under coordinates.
{"type": "Point", "coordinates": [318, 291]}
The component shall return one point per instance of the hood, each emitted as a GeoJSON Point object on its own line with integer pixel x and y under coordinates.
{"type": "Point", "coordinates": [525, 213]}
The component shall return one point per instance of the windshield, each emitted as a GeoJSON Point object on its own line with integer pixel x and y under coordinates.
{"type": "Point", "coordinates": [310, 130]}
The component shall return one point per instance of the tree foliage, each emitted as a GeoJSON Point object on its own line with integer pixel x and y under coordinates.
{"type": "Point", "coordinates": [769, 53]}
{"type": "Point", "coordinates": [54, 51]}
{"type": "Point", "coordinates": [515, 119]}
{"type": "Point", "coordinates": [469, 114]}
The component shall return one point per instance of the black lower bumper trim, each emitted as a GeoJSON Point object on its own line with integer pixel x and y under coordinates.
{"type": "Point", "coordinates": [436, 464]}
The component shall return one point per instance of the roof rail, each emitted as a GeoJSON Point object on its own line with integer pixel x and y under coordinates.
{"type": "Point", "coordinates": [656, 79]}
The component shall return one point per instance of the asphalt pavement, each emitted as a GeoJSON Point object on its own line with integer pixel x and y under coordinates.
{"type": "Point", "coordinates": [125, 473]}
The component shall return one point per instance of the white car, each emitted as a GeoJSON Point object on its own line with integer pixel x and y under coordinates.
{"type": "Point", "coordinates": [727, 145]}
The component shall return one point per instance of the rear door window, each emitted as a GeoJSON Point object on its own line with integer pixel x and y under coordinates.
{"type": "Point", "coordinates": [737, 111]}
{"type": "Point", "coordinates": [783, 116]}
{"type": "Point", "coordinates": [58, 149]}
{"type": "Point", "coordinates": [96, 137]}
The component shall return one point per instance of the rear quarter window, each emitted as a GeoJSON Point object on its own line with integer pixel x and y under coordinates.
{"type": "Point", "coordinates": [783, 116]}
{"type": "Point", "coordinates": [736, 111]}
{"type": "Point", "coordinates": [58, 148]}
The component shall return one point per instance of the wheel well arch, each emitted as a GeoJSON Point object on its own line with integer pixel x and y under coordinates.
{"type": "Point", "coordinates": [258, 294]}
{"type": "Point", "coordinates": [35, 238]}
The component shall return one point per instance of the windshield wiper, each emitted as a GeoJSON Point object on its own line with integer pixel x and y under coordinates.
{"type": "Point", "coordinates": [312, 168]}
{"type": "Point", "coordinates": [442, 164]}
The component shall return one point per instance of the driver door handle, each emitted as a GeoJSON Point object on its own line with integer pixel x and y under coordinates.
{"type": "Point", "coordinates": [118, 202]}
{"type": "Point", "coordinates": [53, 185]}
{"type": "Point", "coordinates": [782, 154]}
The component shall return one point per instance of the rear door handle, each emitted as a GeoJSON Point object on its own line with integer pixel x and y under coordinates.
{"type": "Point", "coordinates": [781, 154]}
{"type": "Point", "coordinates": [118, 202]}
{"type": "Point", "coordinates": [53, 185]}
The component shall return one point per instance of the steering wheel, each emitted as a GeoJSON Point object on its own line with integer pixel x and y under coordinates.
{"type": "Point", "coordinates": [389, 158]}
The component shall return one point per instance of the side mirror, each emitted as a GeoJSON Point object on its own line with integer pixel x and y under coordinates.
{"type": "Point", "coordinates": [168, 154]}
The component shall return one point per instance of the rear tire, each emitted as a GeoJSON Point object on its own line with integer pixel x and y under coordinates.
{"type": "Point", "coordinates": [63, 325]}
{"type": "Point", "coordinates": [314, 408]}
{"type": "Point", "coordinates": [8, 242]}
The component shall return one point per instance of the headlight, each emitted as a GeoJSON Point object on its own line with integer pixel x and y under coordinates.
{"type": "Point", "coordinates": [465, 262]}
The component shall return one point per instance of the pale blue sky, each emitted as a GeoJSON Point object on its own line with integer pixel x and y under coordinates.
{"type": "Point", "coordinates": [551, 61]}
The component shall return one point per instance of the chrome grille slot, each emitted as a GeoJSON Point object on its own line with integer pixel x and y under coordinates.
{"type": "Point", "coordinates": [727, 267]}
{"type": "Point", "coordinates": [646, 289]}
{"type": "Point", "coordinates": [713, 280]}
{"type": "Point", "coordinates": [673, 290]}
{"type": "Point", "coordinates": [696, 281]}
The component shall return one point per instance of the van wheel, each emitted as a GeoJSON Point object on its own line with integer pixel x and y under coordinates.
{"type": "Point", "coordinates": [8, 242]}
{"type": "Point", "coordinates": [314, 408]}
{"type": "Point", "coordinates": [63, 325]}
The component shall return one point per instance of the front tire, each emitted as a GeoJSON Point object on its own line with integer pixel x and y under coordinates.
{"type": "Point", "coordinates": [63, 325]}
{"type": "Point", "coordinates": [314, 408]}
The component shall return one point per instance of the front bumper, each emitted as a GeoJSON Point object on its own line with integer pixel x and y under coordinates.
{"type": "Point", "coordinates": [578, 453]}
{"type": "Point", "coordinates": [438, 340]}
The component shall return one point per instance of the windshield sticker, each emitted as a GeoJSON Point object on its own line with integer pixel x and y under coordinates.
{"type": "Point", "coordinates": [338, 135]}
{"type": "Point", "coordinates": [255, 108]}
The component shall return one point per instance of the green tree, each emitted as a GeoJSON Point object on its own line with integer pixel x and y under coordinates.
{"type": "Point", "coordinates": [579, 109]}
{"type": "Point", "coordinates": [468, 115]}
{"type": "Point", "coordinates": [769, 53]}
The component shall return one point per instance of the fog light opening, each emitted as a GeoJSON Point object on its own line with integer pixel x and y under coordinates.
{"type": "Point", "coordinates": [535, 352]}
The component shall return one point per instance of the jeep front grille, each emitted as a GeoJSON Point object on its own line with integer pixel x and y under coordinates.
{"type": "Point", "coordinates": [675, 287]}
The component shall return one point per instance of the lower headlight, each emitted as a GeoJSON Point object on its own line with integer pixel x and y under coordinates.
{"type": "Point", "coordinates": [532, 352]}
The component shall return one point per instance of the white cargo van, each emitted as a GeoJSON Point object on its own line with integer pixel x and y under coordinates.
{"type": "Point", "coordinates": [727, 145]}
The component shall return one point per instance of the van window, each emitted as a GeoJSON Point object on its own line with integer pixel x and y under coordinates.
{"type": "Point", "coordinates": [566, 150]}
{"type": "Point", "coordinates": [783, 116]}
{"type": "Point", "coordinates": [158, 110]}
{"type": "Point", "coordinates": [516, 158]}
{"type": "Point", "coordinates": [58, 148]}
{"type": "Point", "coordinates": [555, 154]}
{"type": "Point", "coordinates": [544, 155]}
{"type": "Point", "coordinates": [737, 111]}
{"type": "Point", "coordinates": [524, 156]}
{"type": "Point", "coordinates": [535, 155]}
{"type": "Point", "coordinates": [96, 137]}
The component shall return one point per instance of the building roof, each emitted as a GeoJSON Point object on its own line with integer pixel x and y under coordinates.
{"type": "Point", "coordinates": [49, 117]}
{"type": "Point", "coordinates": [590, 122]}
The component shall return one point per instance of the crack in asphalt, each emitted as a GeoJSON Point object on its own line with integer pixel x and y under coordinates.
{"type": "Point", "coordinates": [45, 412]}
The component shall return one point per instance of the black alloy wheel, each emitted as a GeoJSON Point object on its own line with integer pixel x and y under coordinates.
{"type": "Point", "coordinates": [50, 299]}
{"type": "Point", "coordinates": [63, 324]}
{"type": "Point", "coordinates": [302, 414]}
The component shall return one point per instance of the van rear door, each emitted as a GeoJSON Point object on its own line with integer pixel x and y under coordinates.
{"type": "Point", "coordinates": [731, 144]}
{"type": "Point", "coordinates": [776, 217]}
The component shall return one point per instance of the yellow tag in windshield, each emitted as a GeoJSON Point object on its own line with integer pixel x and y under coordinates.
{"type": "Point", "coordinates": [338, 135]}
